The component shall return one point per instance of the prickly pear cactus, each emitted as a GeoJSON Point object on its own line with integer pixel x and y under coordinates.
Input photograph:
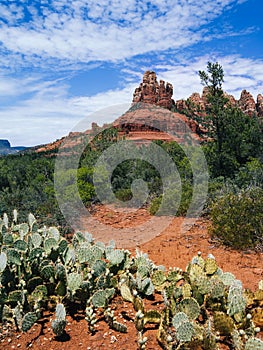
{"type": "Point", "coordinates": [101, 297]}
{"type": "Point", "coordinates": [203, 306]}
{"type": "Point", "coordinates": [179, 318]}
{"type": "Point", "coordinates": [158, 279]}
{"type": "Point", "coordinates": [3, 261]}
{"type": "Point", "coordinates": [254, 344]}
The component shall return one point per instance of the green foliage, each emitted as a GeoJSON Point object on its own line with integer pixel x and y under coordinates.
{"type": "Point", "coordinates": [28, 190]}
{"type": "Point", "coordinates": [231, 137]}
{"type": "Point", "coordinates": [173, 202]}
{"type": "Point", "coordinates": [240, 140]}
{"type": "Point", "coordinates": [237, 218]}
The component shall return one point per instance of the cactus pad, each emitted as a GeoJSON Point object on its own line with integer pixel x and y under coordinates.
{"type": "Point", "coordinates": [13, 257]}
{"type": "Point", "coordinates": [115, 257]}
{"type": "Point", "coordinates": [28, 320]}
{"type": "Point", "coordinates": [126, 293]}
{"type": "Point", "coordinates": [179, 318]}
{"type": "Point", "coordinates": [152, 316]}
{"type": "Point", "coordinates": [119, 327]}
{"type": "Point", "coordinates": [237, 304]}
{"type": "Point", "coordinates": [60, 312]}
{"type": "Point", "coordinates": [47, 272]}
{"type": "Point", "coordinates": [254, 344]}
{"type": "Point", "coordinates": [53, 232]}
{"type": "Point", "coordinates": [36, 239]}
{"type": "Point", "coordinates": [185, 332]}
{"type": "Point", "coordinates": [20, 245]}
{"type": "Point", "coordinates": [223, 323]}
{"type": "Point", "coordinates": [158, 278]}
{"type": "Point", "coordinates": [217, 289]}
{"type": "Point", "coordinates": [257, 317]}
{"type": "Point", "coordinates": [100, 298]}
{"type": "Point", "coordinates": [210, 266]}
{"type": "Point", "coordinates": [50, 244]}
{"type": "Point", "coordinates": [58, 326]}
{"type": "Point", "coordinates": [228, 278]}
{"type": "Point", "coordinates": [99, 267]}
{"type": "Point", "coordinates": [3, 261]}
{"type": "Point", "coordinates": [190, 307]}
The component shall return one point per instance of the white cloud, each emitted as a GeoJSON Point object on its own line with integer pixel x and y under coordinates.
{"type": "Point", "coordinates": [50, 113]}
{"type": "Point", "coordinates": [85, 31]}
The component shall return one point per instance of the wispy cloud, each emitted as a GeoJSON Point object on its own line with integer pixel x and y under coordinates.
{"type": "Point", "coordinates": [239, 73]}
{"type": "Point", "coordinates": [49, 112]}
{"type": "Point", "coordinates": [85, 31]}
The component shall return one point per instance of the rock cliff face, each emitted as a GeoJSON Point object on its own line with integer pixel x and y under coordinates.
{"type": "Point", "coordinates": [150, 91]}
{"type": "Point", "coordinates": [259, 105]}
{"type": "Point", "coordinates": [246, 103]}
{"type": "Point", "coordinates": [146, 123]}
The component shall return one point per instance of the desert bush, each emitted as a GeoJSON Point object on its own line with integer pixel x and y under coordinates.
{"type": "Point", "coordinates": [172, 202]}
{"type": "Point", "coordinates": [124, 194]}
{"type": "Point", "coordinates": [237, 218]}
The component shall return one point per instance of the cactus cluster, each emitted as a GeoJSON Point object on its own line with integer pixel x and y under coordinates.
{"type": "Point", "coordinates": [202, 306]}
{"type": "Point", "coordinates": [208, 307]}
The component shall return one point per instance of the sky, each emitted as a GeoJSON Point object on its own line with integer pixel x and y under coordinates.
{"type": "Point", "coordinates": [65, 60]}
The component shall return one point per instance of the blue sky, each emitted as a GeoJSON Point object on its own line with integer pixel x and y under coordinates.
{"type": "Point", "coordinates": [63, 60]}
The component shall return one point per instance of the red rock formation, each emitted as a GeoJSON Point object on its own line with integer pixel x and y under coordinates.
{"type": "Point", "coordinates": [195, 100]}
{"type": "Point", "coordinates": [150, 91]}
{"type": "Point", "coordinates": [259, 105]}
{"type": "Point", "coordinates": [247, 103]}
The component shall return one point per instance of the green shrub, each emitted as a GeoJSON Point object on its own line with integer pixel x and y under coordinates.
{"type": "Point", "coordinates": [124, 194]}
{"type": "Point", "coordinates": [173, 202]}
{"type": "Point", "coordinates": [155, 204]}
{"type": "Point", "coordinates": [237, 219]}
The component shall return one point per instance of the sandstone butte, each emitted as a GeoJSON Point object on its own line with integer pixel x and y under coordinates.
{"type": "Point", "coordinates": [154, 112]}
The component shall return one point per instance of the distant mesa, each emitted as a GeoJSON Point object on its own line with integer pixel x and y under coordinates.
{"type": "Point", "coordinates": [4, 144]}
{"type": "Point", "coordinates": [5, 148]}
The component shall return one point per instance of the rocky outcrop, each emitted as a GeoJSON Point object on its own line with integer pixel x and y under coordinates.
{"type": "Point", "coordinates": [150, 91]}
{"type": "Point", "coordinates": [145, 123]}
{"type": "Point", "coordinates": [247, 103]}
{"type": "Point", "coordinates": [198, 103]}
{"type": "Point", "coordinates": [259, 105]}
